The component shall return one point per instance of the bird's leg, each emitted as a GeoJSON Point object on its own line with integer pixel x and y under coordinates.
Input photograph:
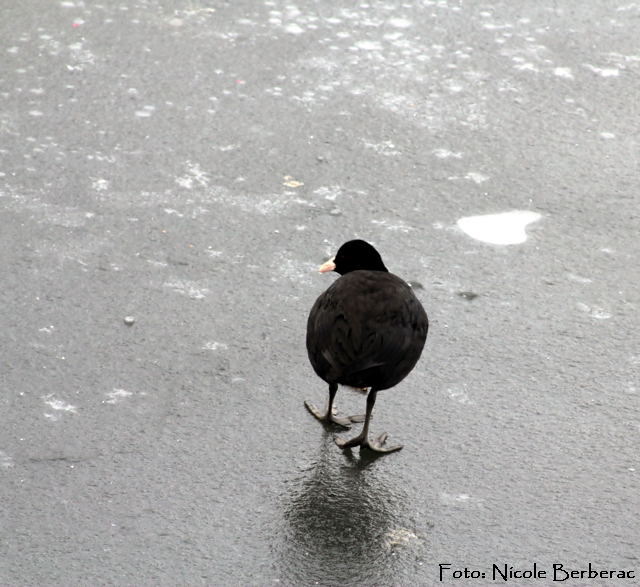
{"type": "Point", "coordinates": [362, 439]}
{"type": "Point", "coordinates": [330, 416]}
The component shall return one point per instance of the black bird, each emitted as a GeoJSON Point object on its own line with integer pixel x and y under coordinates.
{"type": "Point", "coordinates": [367, 330]}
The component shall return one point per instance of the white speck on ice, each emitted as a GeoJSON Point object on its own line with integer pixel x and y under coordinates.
{"type": "Point", "coordinates": [578, 278]}
{"type": "Point", "coordinates": [446, 154]}
{"type": "Point", "coordinates": [400, 23]}
{"type": "Point", "coordinates": [117, 395]}
{"type": "Point", "coordinates": [59, 405]}
{"type": "Point", "coordinates": [492, 26]}
{"type": "Point", "coordinates": [35, 113]}
{"type": "Point", "coordinates": [387, 148]}
{"type": "Point", "coordinates": [194, 174]}
{"type": "Point", "coordinates": [607, 135]}
{"type": "Point", "coordinates": [477, 177]}
{"type": "Point", "coordinates": [505, 228]}
{"type": "Point", "coordinates": [594, 311]}
{"type": "Point", "coordinates": [187, 288]}
{"type": "Point", "coordinates": [369, 45]}
{"type": "Point", "coordinates": [145, 112]}
{"type": "Point", "coordinates": [6, 461]}
{"type": "Point", "coordinates": [604, 71]}
{"type": "Point", "coordinates": [564, 72]}
{"type": "Point", "coordinates": [459, 499]}
{"type": "Point", "coordinates": [294, 29]}
{"type": "Point", "coordinates": [460, 396]}
{"type": "Point", "coordinates": [526, 67]}
{"type": "Point", "coordinates": [99, 184]}
{"type": "Point", "coordinates": [214, 346]}
{"type": "Point", "coordinates": [328, 192]}
{"type": "Point", "coordinates": [400, 226]}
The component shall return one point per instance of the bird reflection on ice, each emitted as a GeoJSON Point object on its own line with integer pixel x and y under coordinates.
{"type": "Point", "coordinates": [342, 520]}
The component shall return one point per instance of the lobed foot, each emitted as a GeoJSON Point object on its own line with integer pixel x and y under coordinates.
{"type": "Point", "coordinates": [328, 417]}
{"type": "Point", "coordinates": [376, 445]}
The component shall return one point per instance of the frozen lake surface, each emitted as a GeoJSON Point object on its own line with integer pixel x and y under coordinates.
{"type": "Point", "coordinates": [171, 175]}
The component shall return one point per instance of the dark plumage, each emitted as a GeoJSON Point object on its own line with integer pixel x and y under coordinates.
{"type": "Point", "coordinates": [367, 330]}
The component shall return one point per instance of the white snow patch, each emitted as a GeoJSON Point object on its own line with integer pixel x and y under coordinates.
{"type": "Point", "coordinates": [504, 228]}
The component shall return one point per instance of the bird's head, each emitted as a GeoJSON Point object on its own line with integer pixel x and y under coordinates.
{"type": "Point", "coordinates": [352, 256]}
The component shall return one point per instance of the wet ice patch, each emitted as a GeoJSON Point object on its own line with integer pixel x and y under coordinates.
{"type": "Point", "coordinates": [117, 395]}
{"type": "Point", "coordinates": [505, 228]}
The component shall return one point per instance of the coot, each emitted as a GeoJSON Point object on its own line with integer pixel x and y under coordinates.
{"type": "Point", "coordinates": [367, 330]}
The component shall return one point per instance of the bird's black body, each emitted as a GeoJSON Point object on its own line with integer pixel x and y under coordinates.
{"type": "Point", "coordinates": [367, 330]}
